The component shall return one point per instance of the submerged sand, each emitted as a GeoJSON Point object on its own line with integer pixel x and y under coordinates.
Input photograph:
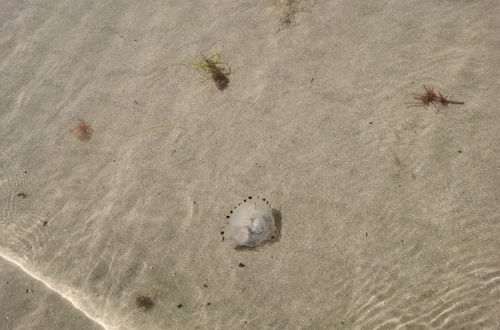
{"type": "Point", "coordinates": [390, 215]}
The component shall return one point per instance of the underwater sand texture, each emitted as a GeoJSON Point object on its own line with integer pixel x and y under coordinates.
{"type": "Point", "coordinates": [390, 216]}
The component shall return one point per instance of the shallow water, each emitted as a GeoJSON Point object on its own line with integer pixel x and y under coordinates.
{"type": "Point", "coordinates": [390, 215]}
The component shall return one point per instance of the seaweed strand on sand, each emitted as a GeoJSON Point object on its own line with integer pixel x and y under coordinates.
{"type": "Point", "coordinates": [433, 97]}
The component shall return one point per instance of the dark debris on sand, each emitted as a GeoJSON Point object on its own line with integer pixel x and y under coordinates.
{"type": "Point", "coordinates": [144, 303]}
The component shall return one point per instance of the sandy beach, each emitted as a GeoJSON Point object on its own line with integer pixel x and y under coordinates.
{"type": "Point", "coordinates": [390, 213]}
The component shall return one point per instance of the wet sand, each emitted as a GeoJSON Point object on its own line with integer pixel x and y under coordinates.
{"type": "Point", "coordinates": [390, 215]}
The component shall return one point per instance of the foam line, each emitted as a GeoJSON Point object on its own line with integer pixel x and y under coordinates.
{"type": "Point", "coordinates": [71, 301]}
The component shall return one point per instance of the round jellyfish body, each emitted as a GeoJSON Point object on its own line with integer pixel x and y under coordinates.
{"type": "Point", "coordinates": [251, 223]}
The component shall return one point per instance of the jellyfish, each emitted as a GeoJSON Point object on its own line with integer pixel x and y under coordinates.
{"type": "Point", "coordinates": [251, 223]}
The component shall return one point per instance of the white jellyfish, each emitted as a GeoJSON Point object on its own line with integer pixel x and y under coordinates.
{"type": "Point", "coordinates": [251, 222]}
